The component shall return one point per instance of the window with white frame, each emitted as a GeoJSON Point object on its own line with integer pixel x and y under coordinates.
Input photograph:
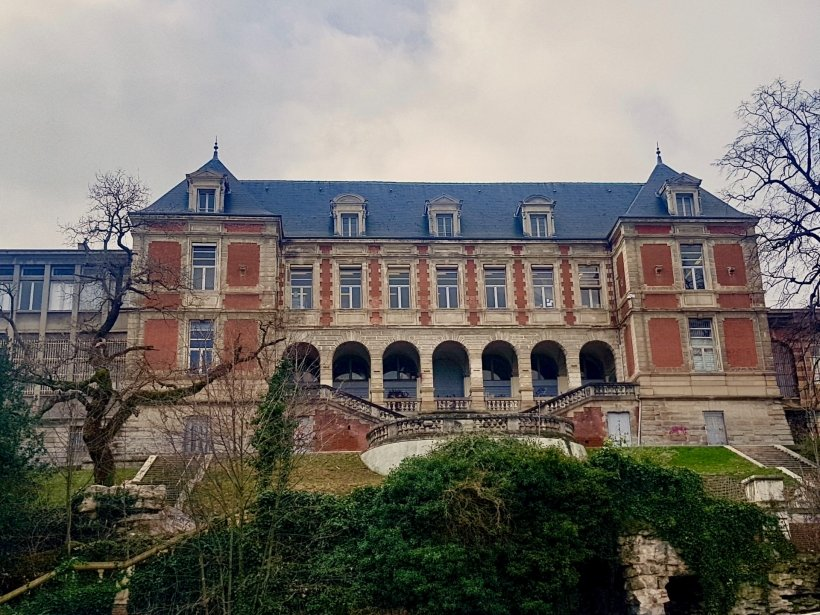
{"type": "Point", "coordinates": [495, 287]}
{"type": "Point", "coordinates": [543, 288]}
{"type": "Point", "coordinates": [702, 344]}
{"type": "Point", "coordinates": [301, 288]}
{"type": "Point", "coordinates": [200, 345]}
{"type": "Point", "coordinates": [203, 266]}
{"type": "Point", "coordinates": [444, 225]}
{"type": "Point", "coordinates": [691, 258]}
{"type": "Point", "coordinates": [61, 288]}
{"type": "Point", "coordinates": [398, 283]}
{"type": "Point", "coordinates": [350, 225]}
{"type": "Point", "coordinates": [30, 290]}
{"type": "Point", "coordinates": [6, 279]}
{"type": "Point", "coordinates": [447, 287]}
{"type": "Point", "coordinates": [589, 281]}
{"type": "Point", "coordinates": [196, 435]}
{"type": "Point", "coordinates": [350, 288]}
{"type": "Point", "coordinates": [539, 224]}
{"type": "Point", "coordinates": [685, 203]}
{"type": "Point", "coordinates": [93, 293]}
{"type": "Point", "coordinates": [206, 200]}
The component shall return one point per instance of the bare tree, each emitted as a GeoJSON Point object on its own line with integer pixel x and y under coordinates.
{"type": "Point", "coordinates": [773, 168]}
{"type": "Point", "coordinates": [119, 380]}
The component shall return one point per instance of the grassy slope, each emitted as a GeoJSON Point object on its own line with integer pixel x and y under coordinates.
{"type": "Point", "coordinates": [332, 473]}
{"type": "Point", "coordinates": [54, 485]}
{"type": "Point", "coordinates": [707, 460]}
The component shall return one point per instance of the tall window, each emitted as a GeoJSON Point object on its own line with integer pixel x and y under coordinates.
{"type": "Point", "coordinates": [350, 288]}
{"type": "Point", "coordinates": [691, 258]}
{"type": "Point", "coordinates": [495, 286]}
{"type": "Point", "coordinates": [204, 267]}
{"type": "Point", "coordinates": [815, 363]}
{"type": "Point", "coordinates": [702, 342]}
{"type": "Point", "coordinates": [206, 201]}
{"type": "Point", "coordinates": [350, 225]}
{"type": "Point", "coordinates": [200, 345]}
{"type": "Point", "coordinates": [6, 276]}
{"type": "Point", "coordinates": [398, 281]}
{"type": "Point", "coordinates": [589, 280]}
{"type": "Point", "coordinates": [301, 288]}
{"type": "Point", "coordinates": [30, 293]}
{"type": "Point", "coordinates": [61, 288]}
{"type": "Point", "coordinates": [542, 287]}
{"type": "Point", "coordinates": [685, 203]}
{"type": "Point", "coordinates": [444, 225]}
{"type": "Point", "coordinates": [196, 435]}
{"type": "Point", "coordinates": [447, 284]}
{"type": "Point", "coordinates": [539, 225]}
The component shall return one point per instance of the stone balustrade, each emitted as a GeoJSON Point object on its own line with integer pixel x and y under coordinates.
{"type": "Point", "coordinates": [452, 404]}
{"type": "Point", "coordinates": [435, 426]}
{"type": "Point", "coordinates": [502, 404]}
{"type": "Point", "coordinates": [570, 399]}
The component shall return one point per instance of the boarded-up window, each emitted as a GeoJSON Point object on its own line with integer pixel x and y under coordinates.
{"type": "Point", "coordinates": [785, 369]}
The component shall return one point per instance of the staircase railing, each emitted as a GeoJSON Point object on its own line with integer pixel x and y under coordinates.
{"type": "Point", "coordinates": [578, 395]}
{"type": "Point", "coordinates": [357, 404]}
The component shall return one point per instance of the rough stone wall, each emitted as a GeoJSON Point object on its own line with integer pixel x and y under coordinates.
{"type": "Point", "coordinates": [649, 563]}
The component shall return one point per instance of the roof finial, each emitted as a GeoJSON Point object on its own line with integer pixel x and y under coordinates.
{"type": "Point", "coordinates": [658, 152]}
{"type": "Point", "coordinates": [216, 148]}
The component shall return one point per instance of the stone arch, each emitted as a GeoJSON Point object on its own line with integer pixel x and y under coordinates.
{"type": "Point", "coordinates": [451, 370]}
{"type": "Point", "coordinates": [306, 361]}
{"type": "Point", "coordinates": [401, 366]}
{"type": "Point", "coordinates": [351, 369]}
{"type": "Point", "coordinates": [597, 363]}
{"type": "Point", "coordinates": [548, 362]}
{"type": "Point", "coordinates": [499, 364]}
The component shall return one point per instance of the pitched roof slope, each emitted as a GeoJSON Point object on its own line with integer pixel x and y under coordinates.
{"type": "Point", "coordinates": [396, 210]}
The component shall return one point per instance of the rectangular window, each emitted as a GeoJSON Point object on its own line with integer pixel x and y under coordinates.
{"type": "Point", "coordinates": [495, 285]}
{"type": "Point", "coordinates": [350, 225]}
{"type": "Point", "coordinates": [196, 435]}
{"type": "Point", "coordinates": [203, 261]}
{"type": "Point", "coordinates": [447, 284]}
{"type": "Point", "coordinates": [815, 363]}
{"type": "Point", "coordinates": [539, 225]}
{"type": "Point", "coordinates": [691, 258]}
{"type": "Point", "coordinates": [76, 450]}
{"type": "Point", "coordinates": [6, 275]}
{"type": "Point", "coordinates": [685, 203]}
{"type": "Point", "coordinates": [60, 296]}
{"type": "Point", "coordinates": [542, 287]}
{"type": "Point", "coordinates": [444, 225]}
{"type": "Point", "coordinates": [206, 201]}
{"type": "Point", "coordinates": [30, 291]}
{"type": "Point", "coordinates": [589, 280]}
{"type": "Point", "coordinates": [301, 288]}
{"type": "Point", "coordinates": [702, 342]}
{"type": "Point", "coordinates": [350, 288]}
{"type": "Point", "coordinates": [398, 282]}
{"type": "Point", "coordinates": [200, 345]}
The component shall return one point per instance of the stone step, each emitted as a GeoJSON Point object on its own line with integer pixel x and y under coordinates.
{"type": "Point", "coordinates": [774, 457]}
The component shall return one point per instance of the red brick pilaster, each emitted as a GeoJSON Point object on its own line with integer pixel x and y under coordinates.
{"type": "Point", "coordinates": [566, 287]}
{"type": "Point", "coordinates": [326, 286]}
{"type": "Point", "coordinates": [472, 288]}
{"type": "Point", "coordinates": [374, 270]}
{"type": "Point", "coordinates": [520, 290]}
{"type": "Point", "coordinates": [423, 287]}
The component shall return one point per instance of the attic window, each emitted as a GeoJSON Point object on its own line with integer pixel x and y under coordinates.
{"type": "Point", "coordinates": [682, 195]}
{"type": "Point", "coordinates": [206, 200]}
{"type": "Point", "coordinates": [444, 216]}
{"type": "Point", "coordinates": [536, 216]}
{"type": "Point", "coordinates": [349, 213]}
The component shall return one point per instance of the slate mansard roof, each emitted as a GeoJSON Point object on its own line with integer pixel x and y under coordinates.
{"type": "Point", "coordinates": [396, 210]}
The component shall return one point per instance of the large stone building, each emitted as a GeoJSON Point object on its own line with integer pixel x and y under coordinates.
{"type": "Point", "coordinates": [633, 309]}
{"type": "Point", "coordinates": [484, 297]}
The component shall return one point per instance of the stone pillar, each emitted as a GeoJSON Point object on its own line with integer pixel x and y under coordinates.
{"type": "Point", "coordinates": [425, 382]}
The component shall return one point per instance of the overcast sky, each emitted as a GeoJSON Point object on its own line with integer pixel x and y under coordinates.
{"type": "Point", "coordinates": [461, 90]}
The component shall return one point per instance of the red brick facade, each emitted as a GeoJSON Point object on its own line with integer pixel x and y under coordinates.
{"type": "Point", "coordinates": [730, 265]}
{"type": "Point", "coordinates": [162, 334]}
{"type": "Point", "coordinates": [243, 264]}
{"type": "Point", "coordinates": [656, 264]}
{"type": "Point", "coordinates": [665, 342]}
{"type": "Point", "coordinates": [740, 340]}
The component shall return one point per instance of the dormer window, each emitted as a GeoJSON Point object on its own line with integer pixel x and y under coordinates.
{"type": "Point", "coordinates": [206, 200]}
{"type": "Point", "coordinates": [444, 216]}
{"type": "Point", "coordinates": [536, 216]}
{"type": "Point", "coordinates": [206, 192]}
{"type": "Point", "coordinates": [444, 225]}
{"type": "Point", "coordinates": [682, 195]}
{"type": "Point", "coordinates": [685, 204]}
{"type": "Point", "coordinates": [349, 213]}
